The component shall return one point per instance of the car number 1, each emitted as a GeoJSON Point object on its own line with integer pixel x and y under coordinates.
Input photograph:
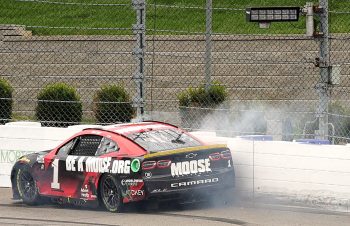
{"type": "Point", "coordinates": [54, 165]}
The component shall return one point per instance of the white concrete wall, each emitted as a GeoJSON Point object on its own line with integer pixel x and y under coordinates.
{"type": "Point", "coordinates": [294, 169]}
{"type": "Point", "coordinates": [19, 138]}
{"type": "Point", "coordinates": [299, 171]}
{"type": "Point", "coordinates": [317, 174]}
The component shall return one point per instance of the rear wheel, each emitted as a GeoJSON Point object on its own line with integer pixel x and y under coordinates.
{"type": "Point", "coordinates": [110, 193]}
{"type": "Point", "coordinates": [26, 186]}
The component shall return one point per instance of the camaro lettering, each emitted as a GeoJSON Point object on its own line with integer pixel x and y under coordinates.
{"type": "Point", "coordinates": [190, 167]}
{"type": "Point", "coordinates": [191, 183]}
{"type": "Point", "coordinates": [194, 182]}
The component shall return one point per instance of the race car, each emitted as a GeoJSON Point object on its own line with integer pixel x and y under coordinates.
{"type": "Point", "coordinates": [113, 165]}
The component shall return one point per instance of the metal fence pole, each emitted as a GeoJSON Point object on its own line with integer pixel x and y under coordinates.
{"type": "Point", "coordinates": [139, 30]}
{"type": "Point", "coordinates": [208, 33]}
{"type": "Point", "coordinates": [322, 86]}
{"type": "Point", "coordinates": [310, 25]}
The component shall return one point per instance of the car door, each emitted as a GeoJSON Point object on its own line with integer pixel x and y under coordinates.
{"type": "Point", "coordinates": [65, 174]}
{"type": "Point", "coordinates": [76, 180]}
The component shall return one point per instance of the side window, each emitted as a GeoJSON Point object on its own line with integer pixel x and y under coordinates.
{"type": "Point", "coordinates": [106, 146]}
{"type": "Point", "coordinates": [86, 145]}
{"type": "Point", "coordinates": [65, 149]}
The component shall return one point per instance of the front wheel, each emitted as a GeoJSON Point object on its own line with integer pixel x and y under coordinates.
{"type": "Point", "coordinates": [26, 186]}
{"type": "Point", "coordinates": [110, 193]}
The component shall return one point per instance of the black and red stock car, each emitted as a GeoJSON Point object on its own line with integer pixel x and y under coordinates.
{"type": "Point", "coordinates": [118, 164]}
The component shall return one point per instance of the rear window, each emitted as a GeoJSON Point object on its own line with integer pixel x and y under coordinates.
{"type": "Point", "coordinates": [161, 140]}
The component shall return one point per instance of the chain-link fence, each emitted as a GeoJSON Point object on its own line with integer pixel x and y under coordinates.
{"type": "Point", "coordinates": [202, 65]}
{"type": "Point", "coordinates": [72, 62]}
{"type": "Point", "coordinates": [278, 81]}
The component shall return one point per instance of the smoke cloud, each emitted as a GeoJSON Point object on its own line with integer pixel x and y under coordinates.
{"type": "Point", "coordinates": [281, 122]}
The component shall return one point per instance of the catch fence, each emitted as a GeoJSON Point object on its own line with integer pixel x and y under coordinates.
{"type": "Point", "coordinates": [198, 64]}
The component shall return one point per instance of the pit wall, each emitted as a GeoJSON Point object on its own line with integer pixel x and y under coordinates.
{"type": "Point", "coordinates": [288, 170]}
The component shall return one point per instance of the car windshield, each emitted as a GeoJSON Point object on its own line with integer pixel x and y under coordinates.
{"type": "Point", "coordinates": [161, 140]}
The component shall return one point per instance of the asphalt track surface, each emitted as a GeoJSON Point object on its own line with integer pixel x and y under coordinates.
{"type": "Point", "coordinates": [240, 213]}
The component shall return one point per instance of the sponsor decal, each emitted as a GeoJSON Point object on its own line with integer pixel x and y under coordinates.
{"type": "Point", "coordinates": [97, 165]}
{"type": "Point", "coordinates": [148, 174]}
{"type": "Point", "coordinates": [190, 167]}
{"type": "Point", "coordinates": [85, 189]}
{"type": "Point", "coordinates": [131, 182]}
{"type": "Point", "coordinates": [85, 193]}
{"type": "Point", "coordinates": [159, 190]}
{"type": "Point", "coordinates": [11, 156]}
{"type": "Point", "coordinates": [135, 165]}
{"type": "Point", "coordinates": [135, 192]}
{"type": "Point", "coordinates": [89, 165]}
{"type": "Point", "coordinates": [194, 182]}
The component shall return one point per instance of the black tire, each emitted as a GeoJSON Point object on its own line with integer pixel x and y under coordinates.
{"type": "Point", "coordinates": [26, 186]}
{"type": "Point", "coordinates": [110, 193]}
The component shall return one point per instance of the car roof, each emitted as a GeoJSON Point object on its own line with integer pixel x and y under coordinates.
{"type": "Point", "coordinates": [127, 128]}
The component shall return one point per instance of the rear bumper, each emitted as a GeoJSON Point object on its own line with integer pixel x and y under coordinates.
{"type": "Point", "coordinates": [177, 188]}
{"type": "Point", "coordinates": [190, 195]}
